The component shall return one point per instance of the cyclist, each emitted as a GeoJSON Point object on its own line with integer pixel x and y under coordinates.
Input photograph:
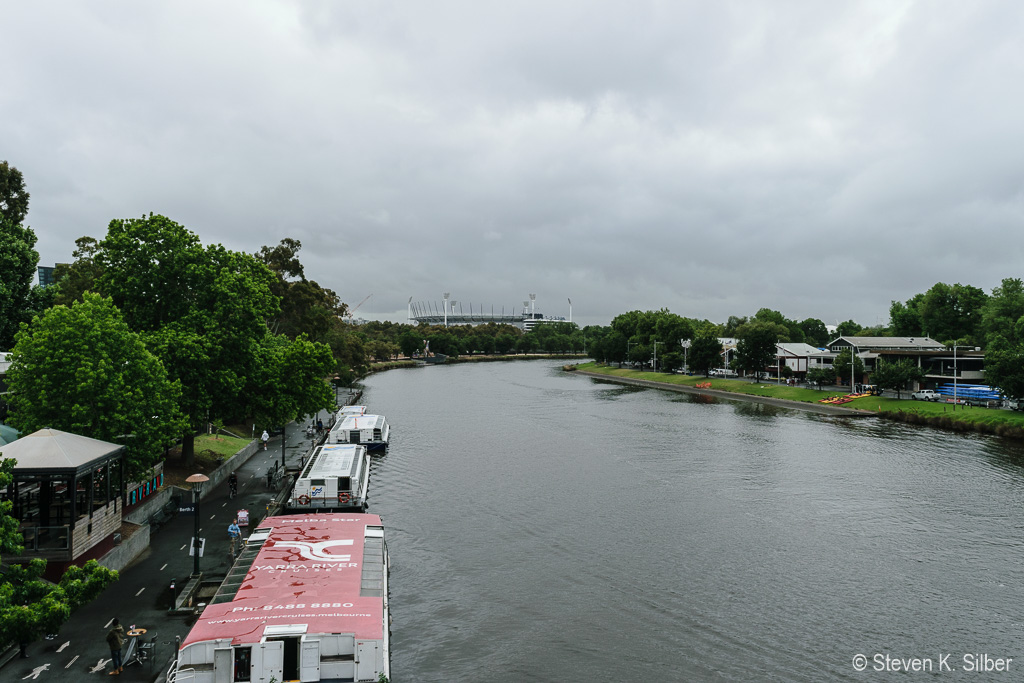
{"type": "Point", "coordinates": [232, 485]}
{"type": "Point", "coordinates": [265, 438]}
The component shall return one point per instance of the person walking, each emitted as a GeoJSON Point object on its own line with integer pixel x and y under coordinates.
{"type": "Point", "coordinates": [234, 532]}
{"type": "Point", "coordinates": [232, 485]}
{"type": "Point", "coordinates": [115, 639]}
{"type": "Point", "coordinates": [265, 438]}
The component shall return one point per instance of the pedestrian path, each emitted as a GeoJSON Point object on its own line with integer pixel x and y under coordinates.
{"type": "Point", "coordinates": [142, 595]}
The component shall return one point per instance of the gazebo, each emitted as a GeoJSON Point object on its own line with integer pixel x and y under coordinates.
{"type": "Point", "coordinates": [67, 493]}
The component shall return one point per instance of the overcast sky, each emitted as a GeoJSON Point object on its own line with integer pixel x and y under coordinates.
{"type": "Point", "coordinates": [713, 158]}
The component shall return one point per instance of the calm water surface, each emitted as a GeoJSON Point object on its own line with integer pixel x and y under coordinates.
{"type": "Point", "coordinates": [546, 526]}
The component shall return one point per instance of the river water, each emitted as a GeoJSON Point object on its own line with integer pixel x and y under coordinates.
{"type": "Point", "coordinates": [546, 526]}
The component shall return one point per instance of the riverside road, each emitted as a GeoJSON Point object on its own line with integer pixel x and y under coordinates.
{"type": "Point", "coordinates": [143, 594]}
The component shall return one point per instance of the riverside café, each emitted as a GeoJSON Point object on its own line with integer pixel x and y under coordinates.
{"type": "Point", "coordinates": [67, 495]}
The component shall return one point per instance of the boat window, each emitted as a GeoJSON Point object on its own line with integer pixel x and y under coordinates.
{"type": "Point", "coordinates": [344, 484]}
{"type": "Point", "coordinates": [316, 482]}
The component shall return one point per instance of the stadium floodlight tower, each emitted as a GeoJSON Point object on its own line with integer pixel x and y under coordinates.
{"type": "Point", "coordinates": [446, 295]}
{"type": "Point", "coordinates": [533, 298]}
{"type": "Point", "coordinates": [570, 309]}
{"type": "Point", "coordinates": [410, 308]}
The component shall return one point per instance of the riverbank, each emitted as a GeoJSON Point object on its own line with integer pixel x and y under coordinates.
{"type": "Point", "coordinates": [1004, 423]}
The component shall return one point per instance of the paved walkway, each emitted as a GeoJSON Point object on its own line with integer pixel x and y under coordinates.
{"type": "Point", "coordinates": [143, 594]}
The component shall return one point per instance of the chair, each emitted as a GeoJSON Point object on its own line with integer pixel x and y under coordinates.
{"type": "Point", "coordinates": [148, 650]}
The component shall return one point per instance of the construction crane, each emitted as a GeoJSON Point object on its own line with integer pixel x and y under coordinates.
{"type": "Point", "coordinates": [353, 310]}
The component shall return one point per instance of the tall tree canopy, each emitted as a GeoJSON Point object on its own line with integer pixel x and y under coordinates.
{"type": "Point", "coordinates": [80, 369]}
{"type": "Point", "coordinates": [756, 347]}
{"type": "Point", "coordinates": [18, 261]}
{"type": "Point", "coordinates": [18, 258]}
{"type": "Point", "coordinates": [13, 195]}
{"type": "Point", "coordinates": [201, 310]}
{"type": "Point", "coordinates": [952, 313]}
{"type": "Point", "coordinates": [306, 307]}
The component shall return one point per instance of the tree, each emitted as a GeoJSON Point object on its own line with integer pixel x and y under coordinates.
{"type": "Point", "coordinates": [847, 328]}
{"type": "Point", "coordinates": [306, 307]}
{"type": "Point", "coordinates": [80, 369]}
{"type": "Point", "coordinates": [705, 352]}
{"type": "Point", "coordinates": [18, 261]}
{"type": "Point", "coordinates": [1004, 366]}
{"type": "Point", "coordinates": [815, 332]}
{"type": "Point", "coordinates": [952, 312]}
{"type": "Point", "coordinates": [756, 347]}
{"type": "Point", "coordinates": [1003, 312]}
{"type": "Point", "coordinates": [290, 380]}
{"type": "Point", "coordinates": [13, 196]}
{"type": "Point", "coordinates": [841, 364]}
{"type": "Point", "coordinates": [29, 606]}
{"type": "Point", "coordinates": [894, 375]}
{"type": "Point", "coordinates": [821, 376]}
{"type": "Point", "coordinates": [202, 311]}
{"type": "Point", "coordinates": [410, 343]}
{"type": "Point", "coordinates": [74, 279]}
{"type": "Point", "coordinates": [905, 318]}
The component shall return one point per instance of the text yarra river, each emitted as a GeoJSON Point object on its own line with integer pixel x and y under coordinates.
{"type": "Point", "coordinates": [545, 526]}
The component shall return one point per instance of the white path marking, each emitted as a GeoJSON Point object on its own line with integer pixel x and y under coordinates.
{"type": "Point", "coordinates": [213, 516]}
{"type": "Point", "coordinates": [181, 548]}
{"type": "Point", "coordinates": [72, 661]}
{"type": "Point", "coordinates": [107, 625]}
{"type": "Point", "coordinates": [36, 671]}
{"type": "Point", "coordinates": [140, 591]}
{"type": "Point", "coordinates": [224, 505]}
{"type": "Point", "coordinates": [61, 648]}
{"type": "Point", "coordinates": [164, 567]}
{"type": "Point", "coordinates": [100, 665]}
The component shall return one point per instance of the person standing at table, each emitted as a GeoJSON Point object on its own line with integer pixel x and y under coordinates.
{"type": "Point", "coordinates": [115, 639]}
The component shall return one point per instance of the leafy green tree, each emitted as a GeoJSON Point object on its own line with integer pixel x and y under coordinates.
{"type": "Point", "coordinates": [13, 196]}
{"type": "Point", "coordinates": [822, 375]}
{"type": "Point", "coordinates": [306, 307]}
{"type": "Point", "coordinates": [705, 352]}
{"type": "Point", "coordinates": [756, 347]}
{"type": "Point", "coordinates": [848, 328]}
{"type": "Point", "coordinates": [905, 318]}
{"type": "Point", "coordinates": [841, 365]}
{"type": "Point", "coordinates": [18, 261]}
{"type": "Point", "coordinates": [1003, 312]}
{"type": "Point", "coordinates": [202, 311]}
{"type": "Point", "coordinates": [410, 343]}
{"type": "Point", "coordinates": [290, 381]}
{"type": "Point", "coordinates": [74, 279]}
{"type": "Point", "coordinates": [894, 375]}
{"type": "Point", "coordinates": [1004, 366]}
{"type": "Point", "coordinates": [953, 312]}
{"type": "Point", "coordinates": [505, 343]}
{"type": "Point", "coordinates": [815, 332]}
{"type": "Point", "coordinates": [732, 325]}
{"type": "Point", "coordinates": [80, 369]}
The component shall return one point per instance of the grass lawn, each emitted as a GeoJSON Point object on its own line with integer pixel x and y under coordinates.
{"type": "Point", "coordinates": [211, 451]}
{"type": "Point", "coordinates": [934, 412]}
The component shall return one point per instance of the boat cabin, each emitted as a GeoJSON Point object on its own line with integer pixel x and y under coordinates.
{"type": "Point", "coordinates": [336, 477]}
{"type": "Point", "coordinates": [371, 431]}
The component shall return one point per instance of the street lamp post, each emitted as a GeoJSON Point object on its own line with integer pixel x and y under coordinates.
{"type": "Point", "coordinates": [197, 481]}
{"type": "Point", "coordinates": [955, 347]}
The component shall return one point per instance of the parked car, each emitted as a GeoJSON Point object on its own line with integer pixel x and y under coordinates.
{"type": "Point", "coordinates": [1015, 403]}
{"type": "Point", "coordinates": [926, 395]}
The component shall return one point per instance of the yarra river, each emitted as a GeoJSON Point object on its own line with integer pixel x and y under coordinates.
{"type": "Point", "coordinates": [546, 526]}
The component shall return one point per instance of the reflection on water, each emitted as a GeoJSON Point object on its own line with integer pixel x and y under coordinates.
{"type": "Point", "coordinates": [545, 527]}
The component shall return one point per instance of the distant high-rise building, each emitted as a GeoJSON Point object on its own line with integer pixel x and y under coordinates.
{"type": "Point", "coordinates": [46, 274]}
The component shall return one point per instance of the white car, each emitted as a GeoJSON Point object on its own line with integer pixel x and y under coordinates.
{"type": "Point", "coordinates": [926, 395]}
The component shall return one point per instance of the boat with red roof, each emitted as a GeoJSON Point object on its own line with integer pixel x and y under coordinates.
{"type": "Point", "coordinates": [307, 600]}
